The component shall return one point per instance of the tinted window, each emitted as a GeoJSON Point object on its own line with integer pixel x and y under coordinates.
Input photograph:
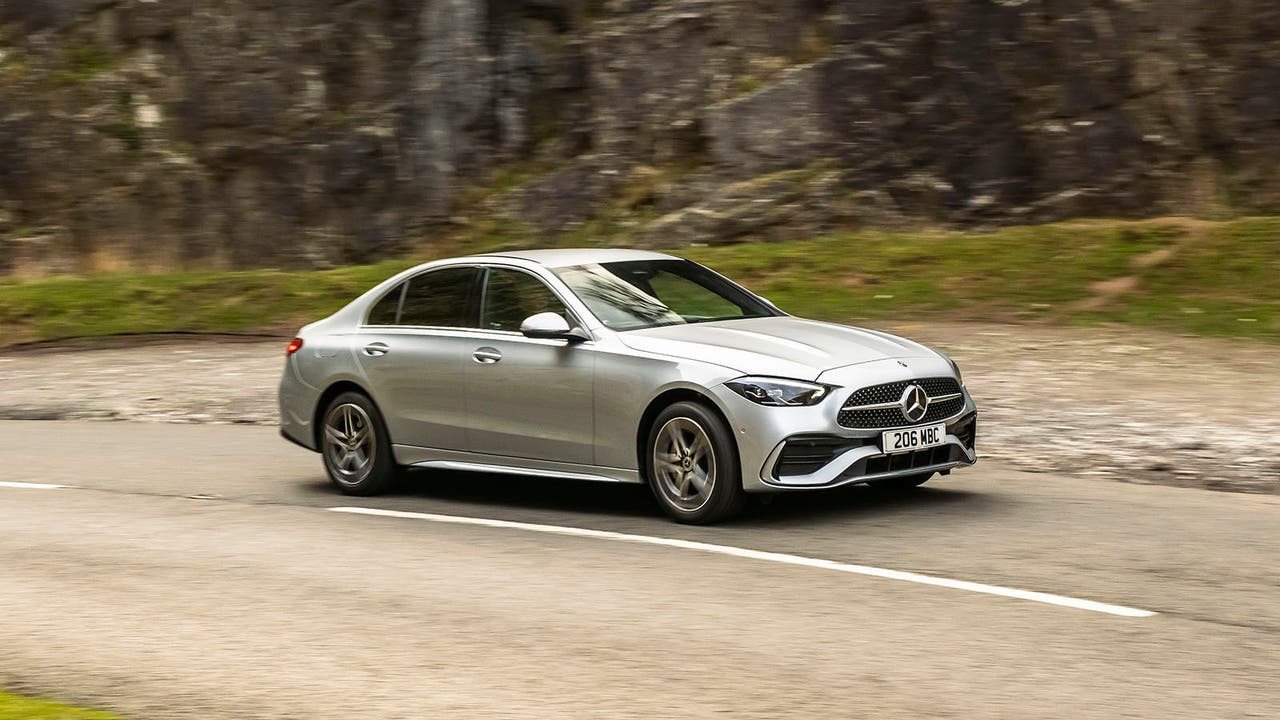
{"type": "Point", "coordinates": [511, 296]}
{"type": "Point", "coordinates": [439, 298]}
{"type": "Point", "coordinates": [384, 312]}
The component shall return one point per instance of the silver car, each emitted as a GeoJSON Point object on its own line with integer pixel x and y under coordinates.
{"type": "Point", "coordinates": [620, 366]}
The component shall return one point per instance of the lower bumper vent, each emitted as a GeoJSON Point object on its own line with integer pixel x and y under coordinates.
{"type": "Point", "coordinates": [905, 461]}
{"type": "Point", "coordinates": [805, 455]}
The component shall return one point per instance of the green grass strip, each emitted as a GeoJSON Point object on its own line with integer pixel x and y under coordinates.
{"type": "Point", "coordinates": [16, 707]}
{"type": "Point", "coordinates": [1209, 278]}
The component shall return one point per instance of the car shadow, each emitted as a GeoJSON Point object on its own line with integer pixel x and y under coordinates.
{"type": "Point", "coordinates": [532, 493]}
{"type": "Point", "coordinates": [853, 502]}
{"type": "Point", "coordinates": [499, 494]}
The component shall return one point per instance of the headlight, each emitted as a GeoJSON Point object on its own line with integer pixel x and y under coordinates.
{"type": "Point", "coordinates": [778, 393]}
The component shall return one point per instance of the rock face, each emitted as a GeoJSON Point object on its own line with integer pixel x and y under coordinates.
{"type": "Point", "coordinates": [235, 133]}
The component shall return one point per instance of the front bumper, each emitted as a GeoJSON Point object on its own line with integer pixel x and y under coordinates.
{"type": "Point", "coordinates": [861, 459]}
{"type": "Point", "coordinates": [799, 448]}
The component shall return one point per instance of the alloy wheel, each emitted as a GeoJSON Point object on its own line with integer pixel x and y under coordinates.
{"type": "Point", "coordinates": [685, 463]}
{"type": "Point", "coordinates": [349, 443]}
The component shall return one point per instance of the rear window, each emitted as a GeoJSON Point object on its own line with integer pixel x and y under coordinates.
{"type": "Point", "coordinates": [439, 298]}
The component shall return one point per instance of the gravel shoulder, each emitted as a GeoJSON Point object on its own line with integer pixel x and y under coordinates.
{"type": "Point", "coordinates": [1134, 405]}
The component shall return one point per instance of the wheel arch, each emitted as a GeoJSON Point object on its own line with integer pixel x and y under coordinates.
{"type": "Point", "coordinates": [326, 397]}
{"type": "Point", "coordinates": [661, 402]}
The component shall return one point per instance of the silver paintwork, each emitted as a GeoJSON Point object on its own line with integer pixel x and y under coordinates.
{"type": "Point", "coordinates": [473, 398]}
{"type": "Point", "coordinates": [547, 326]}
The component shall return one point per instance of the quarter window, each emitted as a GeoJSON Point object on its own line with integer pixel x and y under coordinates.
{"type": "Point", "coordinates": [512, 296]}
{"type": "Point", "coordinates": [439, 298]}
{"type": "Point", "coordinates": [387, 310]}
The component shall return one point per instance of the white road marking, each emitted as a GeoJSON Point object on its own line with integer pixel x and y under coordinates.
{"type": "Point", "coordinates": [1039, 597]}
{"type": "Point", "coordinates": [31, 486]}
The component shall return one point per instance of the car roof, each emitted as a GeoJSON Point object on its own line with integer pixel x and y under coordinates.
{"type": "Point", "coordinates": [566, 257]}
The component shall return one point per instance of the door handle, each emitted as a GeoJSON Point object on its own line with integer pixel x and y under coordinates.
{"type": "Point", "coordinates": [486, 355]}
{"type": "Point", "coordinates": [376, 349]}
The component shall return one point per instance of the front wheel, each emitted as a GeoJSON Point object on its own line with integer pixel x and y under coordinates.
{"type": "Point", "coordinates": [356, 447]}
{"type": "Point", "coordinates": [692, 465]}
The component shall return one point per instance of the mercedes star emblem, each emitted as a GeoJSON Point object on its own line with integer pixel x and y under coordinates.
{"type": "Point", "coordinates": [915, 403]}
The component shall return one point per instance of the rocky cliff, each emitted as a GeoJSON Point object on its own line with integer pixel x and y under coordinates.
{"type": "Point", "coordinates": [233, 133]}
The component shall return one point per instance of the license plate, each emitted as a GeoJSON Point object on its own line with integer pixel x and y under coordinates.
{"type": "Point", "coordinates": [896, 441]}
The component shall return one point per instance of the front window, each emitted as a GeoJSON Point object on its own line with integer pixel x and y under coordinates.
{"type": "Point", "coordinates": [649, 293]}
{"type": "Point", "coordinates": [512, 296]}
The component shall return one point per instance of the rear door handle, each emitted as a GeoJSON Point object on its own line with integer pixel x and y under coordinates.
{"type": "Point", "coordinates": [486, 355]}
{"type": "Point", "coordinates": [376, 349]}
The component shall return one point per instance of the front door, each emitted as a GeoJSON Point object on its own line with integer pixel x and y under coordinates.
{"type": "Point", "coordinates": [527, 398]}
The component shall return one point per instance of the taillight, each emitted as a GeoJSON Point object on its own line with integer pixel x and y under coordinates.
{"type": "Point", "coordinates": [294, 346]}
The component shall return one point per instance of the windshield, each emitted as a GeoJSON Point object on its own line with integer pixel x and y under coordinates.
{"type": "Point", "coordinates": [649, 293]}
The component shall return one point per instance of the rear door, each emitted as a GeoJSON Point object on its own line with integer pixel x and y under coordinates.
{"type": "Point", "coordinates": [527, 398]}
{"type": "Point", "coordinates": [413, 348]}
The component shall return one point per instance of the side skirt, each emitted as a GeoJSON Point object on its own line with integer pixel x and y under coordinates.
{"type": "Point", "coordinates": [420, 457]}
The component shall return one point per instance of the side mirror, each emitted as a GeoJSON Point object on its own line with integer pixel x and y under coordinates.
{"type": "Point", "coordinates": [551, 326]}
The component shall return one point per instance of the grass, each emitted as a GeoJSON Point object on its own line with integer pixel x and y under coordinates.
{"type": "Point", "coordinates": [1209, 278]}
{"type": "Point", "coordinates": [1205, 278]}
{"type": "Point", "coordinates": [244, 301]}
{"type": "Point", "coordinates": [14, 707]}
{"type": "Point", "coordinates": [82, 62]}
{"type": "Point", "coordinates": [507, 177]}
{"type": "Point", "coordinates": [12, 63]}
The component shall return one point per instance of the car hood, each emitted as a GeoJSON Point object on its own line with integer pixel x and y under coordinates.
{"type": "Point", "coordinates": [774, 346]}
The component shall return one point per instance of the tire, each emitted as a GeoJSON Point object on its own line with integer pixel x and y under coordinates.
{"type": "Point", "coordinates": [692, 465]}
{"type": "Point", "coordinates": [901, 484]}
{"type": "Point", "coordinates": [364, 466]}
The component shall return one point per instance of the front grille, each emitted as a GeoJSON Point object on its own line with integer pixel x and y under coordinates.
{"type": "Point", "coordinates": [851, 416]}
{"type": "Point", "coordinates": [805, 455]}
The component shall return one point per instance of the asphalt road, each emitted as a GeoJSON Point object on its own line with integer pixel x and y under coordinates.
{"type": "Point", "coordinates": [194, 571]}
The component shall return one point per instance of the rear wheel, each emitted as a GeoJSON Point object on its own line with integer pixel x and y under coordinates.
{"type": "Point", "coordinates": [692, 465]}
{"type": "Point", "coordinates": [355, 446]}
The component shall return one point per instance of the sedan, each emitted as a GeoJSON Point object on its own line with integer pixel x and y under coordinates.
{"type": "Point", "coordinates": [617, 366]}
